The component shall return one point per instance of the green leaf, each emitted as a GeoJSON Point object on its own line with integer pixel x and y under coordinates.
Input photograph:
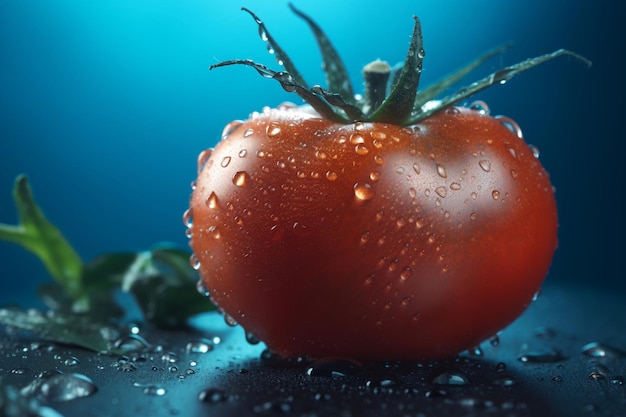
{"type": "Point", "coordinates": [164, 286]}
{"type": "Point", "coordinates": [398, 106]}
{"type": "Point", "coordinates": [36, 234]}
{"type": "Point", "coordinates": [337, 79]}
{"type": "Point", "coordinates": [72, 329]}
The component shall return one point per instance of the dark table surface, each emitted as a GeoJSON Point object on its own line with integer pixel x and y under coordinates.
{"type": "Point", "coordinates": [563, 357]}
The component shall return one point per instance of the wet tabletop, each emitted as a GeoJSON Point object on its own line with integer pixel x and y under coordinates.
{"type": "Point", "coordinates": [564, 357]}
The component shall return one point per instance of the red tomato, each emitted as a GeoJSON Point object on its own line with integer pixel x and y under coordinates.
{"type": "Point", "coordinates": [371, 240]}
{"type": "Point", "coordinates": [388, 226]}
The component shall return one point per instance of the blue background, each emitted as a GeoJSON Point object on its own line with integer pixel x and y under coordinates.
{"type": "Point", "coordinates": [106, 104]}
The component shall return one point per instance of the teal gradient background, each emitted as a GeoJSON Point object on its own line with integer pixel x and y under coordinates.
{"type": "Point", "coordinates": [106, 104]}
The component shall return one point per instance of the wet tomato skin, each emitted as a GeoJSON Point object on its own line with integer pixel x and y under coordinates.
{"type": "Point", "coordinates": [370, 240]}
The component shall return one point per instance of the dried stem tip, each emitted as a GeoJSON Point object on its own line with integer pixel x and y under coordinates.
{"type": "Point", "coordinates": [376, 76]}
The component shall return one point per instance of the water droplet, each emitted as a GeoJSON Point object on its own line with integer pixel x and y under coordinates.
{"type": "Point", "coordinates": [378, 160]}
{"type": "Point", "coordinates": [513, 173]}
{"type": "Point", "coordinates": [188, 218]}
{"type": "Point", "coordinates": [511, 125]}
{"type": "Point", "coordinates": [452, 110]}
{"type": "Point", "coordinates": [542, 356]}
{"type": "Point", "coordinates": [211, 201]}
{"type": "Point", "coordinates": [441, 170]}
{"type": "Point", "coordinates": [225, 161]}
{"type": "Point", "coordinates": [356, 139]}
{"type": "Point", "coordinates": [451, 378]}
{"type": "Point", "coordinates": [363, 191]}
{"type": "Point", "coordinates": [495, 194]}
{"type": "Point", "coordinates": [473, 215]}
{"type": "Point", "coordinates": [203, 157]}
{"type": "Point", "coordinates": [598, 372]}
{"type": "Point", "coordinates": [132, 343]}
{"type": "Point", "coordinates": [494, 340]}
{"type": "Point", "coordinates": [480, 106]}
{"type": "Point", "coordinates": [617, 380]}
{"type": "Point", "coordinates": [230, 128]}
{"type": "Point", "coordinates": [71, 361]}
{"type": "Point", "coordinates": [406, 273]}
{"type": "Point", "coordinates": [599, 350]}
{"type": "Point", "coordinates": [333, 368]}
{"type": "Point", "coordinates": [441, 191]}
{"type": "Point", "coordinates": [169, 357]}
{"type": "Point", "coordinates": [242, 153]}
{"type": "Point", "coordinates": [534, 150]}
{"type": "Point", "coordinates": [252, 339]}
{"type": "Point", "coordinates": [331, 176]}
{"type": "Point", "coordinates": [61, 387]}
{"type": "Point", "coordinates": [557, 378]}
{"type": "Point", "coordinates": [230, 320]}
{"type": "Point", "coordinates": [455, 186]}
{"type": "Point", "coordinates": [154, 390]}
{"type": "Point", "coordinates": [361, 149]}
{"type": "Point", "coordinates": [201, 345]}
{"type": "Point", "coordinates": [273, 129]}
{"type": "Point", "coordinates": [202, 290]}
{"type": "Point", "coordinates": [485, 165]}
{"type": "Point", "coordinates": [240, 178]}
{"type": "Point", "coordinates": [212, 396]}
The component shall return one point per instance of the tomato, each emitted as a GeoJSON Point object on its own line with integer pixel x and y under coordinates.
{"type": "Point", "coordinates": [372, 239]}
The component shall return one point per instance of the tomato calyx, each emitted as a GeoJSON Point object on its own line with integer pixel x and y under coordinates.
{"type": "Point", "coordinates": [391, 94]}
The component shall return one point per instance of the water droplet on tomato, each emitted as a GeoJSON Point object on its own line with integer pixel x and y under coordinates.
{"type": "Point", "coordinates": [214, 232]}
{"type": "Point", "coordinates": [480, 106]}
{"type": "Point", "coordinates": [357, 139]}
{"type": "Point", "coordinates": [242, 153]}
{"type": "Point", "coordinates": [441, 191]}
{"type": "Point", "coordinates": [374, 176]}
{"type": "Point", "coordinates": [202, 290]}
{"type": "Point", "coordinates": [230, 128]}
{"type": "Point", "coordinates": [455, 186]}
{"type": "Point", "coordinates": [203, 157]}
{"type": "Point", "coordinates": [331, 175]}
{"type": "Point", "coordinates": [225, 161]}
{"type": "Point", "coordinates": [194, 261]}
{"type": "Point", "coordinates": [230, 320]}
{"type": "Point", "coordinates": [441, 171]}
{"type": "Point", "coordinates": [188, 218]}
{"type": "Point", "coordinates": [249, 132]}
{"type": "Point", "coordinates": [513, 173]}
{"type": "Point", "coordinates": [452, 110]}
{"type": "Point", "coordinates": [485, 165]}
{"type": "Point", "coordinates": [534, 150]}
{"type": "Point", "coordinates": [511, 125]}
{"type": "Point", "coordinates": [211, 201]}
{"type": "Point", "coordinates": [378, 160]}
{"type": "Point", "coordinates": [495, 194]}
{"type": "Point", "coordinates": [406, 273]}
{"type": "Point", "coordinates": [361, 149]}
{"type": "Point", "coordinates": [363, 191]}
{"type": "Point", "coordinates": [240, 179]}
{"type": "Point", "coordinates": [273, 129]}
